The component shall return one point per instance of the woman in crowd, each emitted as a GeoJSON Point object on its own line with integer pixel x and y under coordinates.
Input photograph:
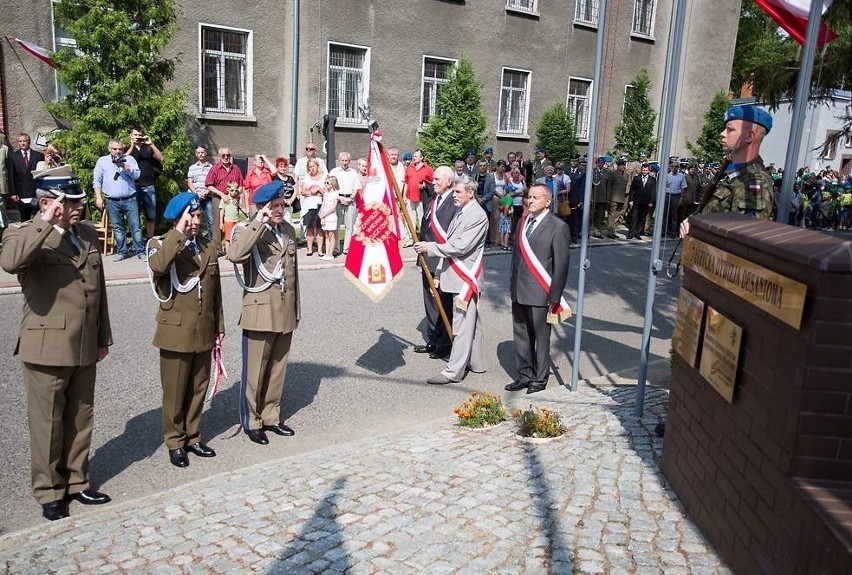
{"type": "Point", "coordinates": [328, 216]}
{"type": "Point", "coordinates": [516, 186]}
{"type": "Point", "coordinates": [311, 188]}
{"type": "Point", "coordinates": [259, 173]}
{"type": "Point", "coordinates": [52, 158]}
{"type": "Point", "coordinates": [282, 172]}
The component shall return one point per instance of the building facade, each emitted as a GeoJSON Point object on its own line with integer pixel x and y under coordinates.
{"type": "Point", "coordinates": [238, 61]}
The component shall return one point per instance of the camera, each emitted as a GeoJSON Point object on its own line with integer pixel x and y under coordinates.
{"type": "Point", "coordinates": [119, 160]}
{"type": "Point", "coordinates": [56, 159]}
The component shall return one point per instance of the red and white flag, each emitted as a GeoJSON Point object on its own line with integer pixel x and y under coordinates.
{"type": "Point", "coordinates": [792, 15]}
{"type": "Point", "coordinates": [36, 51]}
{"type": "Point", "coordinates": [374, 262]}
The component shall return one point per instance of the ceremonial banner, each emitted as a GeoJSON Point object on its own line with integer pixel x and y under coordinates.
{"type": "Point", "coordinates": [217, 370]}
{"type": "Point", "coordinates": [35, 51]}
{"type": "Point", "coordinates": [792, 15]}
{"type": "Point", "coordinates": [374, 261]}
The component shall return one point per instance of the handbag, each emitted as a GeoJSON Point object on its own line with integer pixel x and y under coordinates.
{"type": "Point", "coordinates": [297, 206]}
{"type": "Point", "coordinates": [563, 209]}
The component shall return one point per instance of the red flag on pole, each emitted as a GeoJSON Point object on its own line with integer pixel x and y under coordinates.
{"type": "Point", "coordinates": [792, 15]}
{"type": "Point", "coordinates": [374, 262]}
{"type": "Point", "coordinates": [36, 51]}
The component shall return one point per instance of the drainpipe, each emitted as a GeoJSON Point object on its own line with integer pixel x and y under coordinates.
{"type": "Point", "coordinates": [294, 89]}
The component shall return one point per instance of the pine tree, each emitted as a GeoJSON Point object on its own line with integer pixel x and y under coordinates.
{"type": "Point", "coordinates": [557, 133]}
{"type": "Point", "coordinates": [116, 80]}
{"type": "Point", "coordinates": [635, 132]}
{"type": "Point", "coordinates": [458, 124]}
{"type": "Point", "coordinates": [708, 145]}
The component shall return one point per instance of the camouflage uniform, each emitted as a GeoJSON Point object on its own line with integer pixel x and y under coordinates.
{"type": "Point", "coordinates": [746, 191]}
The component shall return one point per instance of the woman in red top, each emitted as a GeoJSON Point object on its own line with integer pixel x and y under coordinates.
{"type": "Point", "coordinates": [260, 173]}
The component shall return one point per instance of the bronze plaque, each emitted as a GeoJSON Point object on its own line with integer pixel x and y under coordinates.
{"type": "Point", "coordinates": [687, 329]}
{"type": "Point", "coordinates": [720, 353]}
{"type": "Point", "coordinates": [775, 294]}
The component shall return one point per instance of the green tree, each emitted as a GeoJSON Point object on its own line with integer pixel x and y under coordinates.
{"type": "Point", "coordinates": [116, 80]}
{"type": "Point", "coordinates": [635, 132]}
{"type": "Point", "coordinates": [557, 133]}
{"type": "Point", "coordinates": [708, 144]}
{"type": "Point", "coordinates": [458, 124]}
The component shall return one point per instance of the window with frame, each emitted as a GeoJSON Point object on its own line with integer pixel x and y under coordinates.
{"type": "Point", "coordinates": [225, 71]}
{"type": "Point", "coordinates": [436, 73]}
{"type": "Point", "coordinates": [514, 102]}
{"type": "Point", "coordinates": [628, 88]}
{"type": "Point", "coordinates": [348, 81]}
{"type": "Point", "coordinates": [522, 5]}
{"type": "Point", "coordinates": [579, 104]}
{"type": "Point", "coordinates": [643, 17]}
{"type": "Point", "coordinates": [586, 12]}
{"type": "Point", "coordinates": [61, 39]}
{"type": "Point", "coordinates": [831, 152]}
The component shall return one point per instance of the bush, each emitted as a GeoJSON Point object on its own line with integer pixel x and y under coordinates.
{"type": "Point", "coordinates": [535, 422]}
{"type": "Point", "coordinates": [481, 411]}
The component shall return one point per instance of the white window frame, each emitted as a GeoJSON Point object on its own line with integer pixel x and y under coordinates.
{"type": "Point", "coordinates": [522, 133]}
{"type": "Point", "coordinates": [363, 98]}
{"type": "Point", "coordinates": [581, 7]}
{"type": "Point", "coordinates": [247, 114]}
{"type": "Point", "coordinates": [59, 42]}
{"type": "Point", "coordinates": [516, 6]}
{"type": "Point", "coordinates": [627, 88]}
{"type": "Point", "coordinates": [435, 82]}
{"type": "Point", "coordinates": [582, 130]}
{"type": "Point", "coordinates": [653, 14]}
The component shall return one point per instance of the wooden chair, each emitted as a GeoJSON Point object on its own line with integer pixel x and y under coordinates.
{"type": "Point", "coordinates": [105, 237]}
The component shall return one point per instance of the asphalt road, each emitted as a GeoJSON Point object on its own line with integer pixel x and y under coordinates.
{"type": "Point", "coordinates": [352, 372]}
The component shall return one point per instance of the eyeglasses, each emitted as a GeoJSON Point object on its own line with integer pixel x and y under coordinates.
{"type": "Point", "coordinates": [226, 155]}
{"type": "Point", "coordinates": [310, 149]}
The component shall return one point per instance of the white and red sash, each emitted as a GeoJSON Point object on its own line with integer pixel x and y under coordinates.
{"type": "Point", "coordinates": [218, 369]}
{"type": "Point", "coordinates": [439, 232]}
{"type": "Point", "coordinates": [470, 277]}
{"type": "Point", "coordinates": [563, 310]}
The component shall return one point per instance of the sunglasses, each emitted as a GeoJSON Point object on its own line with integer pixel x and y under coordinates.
{"type": "Point", "coordinates": [226, 155]}
{"type": "Point", "coordinates": [310, 149]}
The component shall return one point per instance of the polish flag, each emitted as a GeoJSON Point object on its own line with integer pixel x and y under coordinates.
{"type": "Point", "coordinates": [36, 51]}
{"type": "Point", "coordinates": [792, 15]}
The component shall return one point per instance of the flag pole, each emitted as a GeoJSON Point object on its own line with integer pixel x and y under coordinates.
{"type": "Point", "coordinates": [799, 107]}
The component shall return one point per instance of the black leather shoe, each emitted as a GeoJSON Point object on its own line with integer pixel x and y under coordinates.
{"type": "Point", "coordinates": [280, 429]}
{"type": "Point", "coordinates": [436, 355]}
{"type": "Point", "coordinates": [258, 436]}
{"type": "Point", "coordinates": [516, 386]}
{"type": "Point", "coordinates": [55, 510]}
{"type": "Point", "coordinates": [535, 388]}
{"type": "Point", "coordinates": [201, 450]}
{"type": "Point", "coordinates": [90, 497]}
{"type": "Point", "coordinates": [178, 457]}
{"type": "Point", "coordinates": [428, 348]}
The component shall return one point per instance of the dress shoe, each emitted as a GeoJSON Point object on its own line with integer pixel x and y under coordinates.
{"type": "Point", "coordinates": [280, 429]}
{"type": "Point", "coordinates": [90, 497]}
{"type": "Point", "coordinates": [535, 388]}
{"type": "Point", "coordinates": [258, 436]}
{"type": "Point", "coordinates": [517, 386]}
{"type": "Point", "coordinates": [612, 236]}
{"type": "Point", "coordinates": [439, 379]}
{"type": "Point", "coordinates": [437, 355]}
{"type": "Point", "coordinates": [201, 449]}
{"type": "Point", "coordinates": [55, 510]}
{"type": "Point", "coordinates": [428, 348]}
{"type": "Point", "coordinates": [178, 457]}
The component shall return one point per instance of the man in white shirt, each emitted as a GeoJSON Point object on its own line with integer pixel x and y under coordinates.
{"type": "Point", "coordinates": [398, 171]}
{"type": "Point", "coordinates": [347, 178]}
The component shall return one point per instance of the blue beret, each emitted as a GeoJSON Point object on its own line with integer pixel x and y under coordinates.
{"type": "Point", "coordinates": [178, 204]}
{"type": "Point", "coordinates": [407, 156]}
{"type": "Point", "coordinates": [847, 185]}
{"type": "Point", "coordinates": [607, 159]}
{"type": "Point", "coordinates": [750, 114]}
{"type": "Point", "coordinates": [542, 150]}
{"type": "Point", "coordinates": [268, 192]}
{"type": "Point", "coordinates": [489, 150]}
{"type": "Point", "coordinates": [655, 166]}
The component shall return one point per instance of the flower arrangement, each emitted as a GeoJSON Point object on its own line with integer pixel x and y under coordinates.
{"type": "Point", "coordinates": [481, 410]}
{"type": "Point", "coordinates": [535, 422]}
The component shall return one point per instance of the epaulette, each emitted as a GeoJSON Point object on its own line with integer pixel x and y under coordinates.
{"type": "Point", "coordinates": [20, 225]}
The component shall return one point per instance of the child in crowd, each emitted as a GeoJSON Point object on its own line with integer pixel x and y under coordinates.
{"type": "Point", "coordinates": [507, 210]}
{"type": "Point", "coordinates": [229, 212]}
{"type": "Point", "coordinates": [328, 216]}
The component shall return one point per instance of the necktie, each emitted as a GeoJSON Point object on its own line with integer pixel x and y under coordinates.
{"type": "Point", "coordinates": [193, 247]}
{"type": "Point", "coordinates": [530, 226]}
{"type": "Point", "coordinates": [26, 158]}
{"type": "Point", "coordinates": [75, 241]}
{"type": "Point", "coordinates": [644, 181]}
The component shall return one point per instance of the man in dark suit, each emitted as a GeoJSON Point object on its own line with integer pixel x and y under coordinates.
{"type": "Point", "coordinates": [65, 332]}
{"type": "Point", "coordinates": [576, 195]}
{"type": "Point", "coordinates": [640, 200]}
{"type": "Point", "coordinates": [22, 162]}
{"type": "Point", "coordinates": [436, 221]}
{"type": "Point", "coordinates": [539, 274]}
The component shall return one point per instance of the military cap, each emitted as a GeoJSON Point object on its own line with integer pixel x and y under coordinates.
{"type": "Point", "coordinates": [542, 150]}
{"type": "Point", "coordinates": [406, 156]}
{"type": "Point", "coordinates": [752, 114]}
{"type": "Point", "coordinates": [621, 162]}
{"type": "Point", "coordinates": [268, 192]}
{"type": "Point", "coordinates": [847, 185]}
{"type": "Point", "coordinates": [470, 154]}
{"type": "Point", "coordinates": [178, 205]}
{"type": "Point", "coordinates": [489, 150]}
{"type": "Point", "coordinates": [583, 160]}
{"type": "Point", "coordinates": [700, 161]}
{"type": "Point", "coordinates": [643, 153]}
{"type": "Point", "coordinates": [59, 180]}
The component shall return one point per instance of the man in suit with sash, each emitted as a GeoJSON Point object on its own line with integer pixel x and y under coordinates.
{"type": "Point", "coordinates": [460, 275]}
{"type": "Point", "coordinates": [65, 332]}
{"type": "Point", "coordinates": [539, 274]}
{"type": "Point", "coordinates": [189, 321]}
{"type": "Point", "coordinates": [266, 248]}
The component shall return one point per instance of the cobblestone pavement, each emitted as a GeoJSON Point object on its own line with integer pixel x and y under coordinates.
{"type": "Point", "coordinates": [432, 499]}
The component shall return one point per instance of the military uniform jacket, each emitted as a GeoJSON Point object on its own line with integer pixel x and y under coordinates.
{"type": "Point", "coordinates": [618, 186]}
{"type": "Point", "coordinates": [747, 191]}
{"type": "Point", "coordinates": [65, 317]}
{"type": "Point", "coordinates": [601, 182]}
{"type": "Point", "coordinates": [187, 322]}
{"type": "Point", "coordinates": [550, 242]}
{"type": "Point", "coordinates": [276, 309]}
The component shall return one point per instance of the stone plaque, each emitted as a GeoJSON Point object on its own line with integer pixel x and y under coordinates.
{"type": "Point", "coordinates": [687, 329]}
{"type": "Point", "coordinates": [775, 294]}
{"type": "Point", "coordinates": [720, 353]}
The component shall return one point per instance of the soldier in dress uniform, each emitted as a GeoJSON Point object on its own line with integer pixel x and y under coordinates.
{"type": "Point", "coordinates": [185, 268]}
{"type": "Point", "coordinates": [617, 195]}
{"type": "Point", "coordinates": [266, 249]}
{"type": "Point", "coordinates": [601, 182]}
{"type": "Point", "coordinates": [65, 332]}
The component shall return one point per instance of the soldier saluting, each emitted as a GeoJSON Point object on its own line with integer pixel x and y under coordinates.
{"type": "Point", "coordinates": [189, 321]}
{"type": "Point", "coordinates": [65, 332]}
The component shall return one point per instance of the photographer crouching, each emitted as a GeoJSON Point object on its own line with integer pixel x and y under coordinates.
{"type": "Point", "coordinates": [114, 181]}
{"type": "Point", "coordinates": [150, 161]}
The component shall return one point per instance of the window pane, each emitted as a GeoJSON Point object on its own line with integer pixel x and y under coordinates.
{"type": "Point", "coordinates": [513, 102]}
{"type": "Point", "coordinates": [643, 16]}
{"type": "Point", "coordinates": [586, 11]}
{"type": "Point", "coordinates": [224, 71]}
{"type": "Point", "coordinates": [345, 82]}
{"type": "Point", "coordinates": [435, 74]}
